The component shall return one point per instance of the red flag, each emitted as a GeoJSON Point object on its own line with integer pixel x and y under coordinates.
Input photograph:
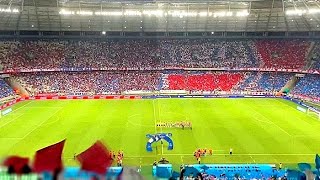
{"type": "Point", "coordinates": [17, 163]}
{"type": "Point", "coordinates": [95, 159]}
{"type": "Point", "coordinates": [49, 158]}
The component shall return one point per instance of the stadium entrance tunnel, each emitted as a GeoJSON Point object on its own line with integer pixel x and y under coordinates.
{"type": "Point", "coordinates": [158, 137]}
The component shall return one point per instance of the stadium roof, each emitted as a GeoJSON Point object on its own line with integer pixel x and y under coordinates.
{"type": "Point", "coordinates": [160, 15]}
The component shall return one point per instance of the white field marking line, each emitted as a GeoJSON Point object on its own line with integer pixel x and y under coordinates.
{"type": "Point", "coordinates": [134, 115]}
{"type": "Point", "coordinates": [267, 122]}
{"type": "Point", "coordinates": [218, 150]}
{"type": "Point", "coordinates": [303, 135]}
{"type": "Point", "coordinates": [312, 117]}
{"type": "Point", "coordinates": [295, 110]}
{"type": "Point", "coordinates": [252, 159]}
{"type": "Point", "coordinates": [159, 115]}
{"type": "Point", "coordinates": [41, 123]}
{"type": "Point", "coordinates": [126, 157]}
{"type": "Point", "coordinates": [42, 107]}
{"type": "Point", "coordinates": [141, 125]}
{"type": "Point", "coordinates": [227, 154]}
{"type": "Point", "coordinates": [18, 115]}
{"type": "Point", "coordinates": [161, 149]}
{"type": "Point", "coordinates": [273, 123]}
{"type": "Point", "coordinates": [154, 117]}
{"type": "Point", "coordinates": [161, 130]}
{"type": "Point", "coordinates": [180, 114]}
{"type": "Point", "coordinates": [136, 124]}
{"type": "Point", "coordinates": [13, 119]}
{"type": "Point", "coordinates": [53, 121]}
{"type": "Point", "coordinates": [30, 101]}
{"type": "Point", "coordinates": [140, 157]}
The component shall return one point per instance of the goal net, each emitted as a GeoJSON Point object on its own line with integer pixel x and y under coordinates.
{"type": "Point", "coordinates": [313, 112]}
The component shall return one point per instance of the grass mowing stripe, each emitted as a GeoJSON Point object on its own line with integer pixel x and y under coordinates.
{"type": "Point", "coordinates": [234, 154]}
{"type": "Point", "coordinates": [30, 101]}
{"type": "Point", "coordinates": [41, 123]}
{"type": "Point", "coordinates": [218, 124]}
{"type": "Point", "coordinates": [271, 122]}
{"type": "Point", "coordinates": [9, 121]}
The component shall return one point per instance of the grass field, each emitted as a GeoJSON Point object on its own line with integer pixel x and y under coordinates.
{"type": "Point", "coordinates": [258, 130]}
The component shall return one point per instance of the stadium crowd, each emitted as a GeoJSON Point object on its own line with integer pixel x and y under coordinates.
{"type": "Point", "coordinates": [5, 89]}
{"type": "Point", "coordinates": [264, 82]}
{"type": "Point", "coordinates": [144, 54]}
{"type": "Point", "coordinates": [308, 86]}
{"type": "Point", "coordinates": [110, 82]}
{"type": "Point", "coordinates": [97, 82]}
{"type": "Point", "coordinates": [211, 81]}
{"type": "Point", "coordinates": [315, 57]}
{"type": "Point", "coordinates": [283, 53]}
{"type": "Point", "coordinates": [122, 54]}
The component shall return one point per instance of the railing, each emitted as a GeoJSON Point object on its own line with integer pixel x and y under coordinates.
{"type": "Point", "coordinates": [9, 71]}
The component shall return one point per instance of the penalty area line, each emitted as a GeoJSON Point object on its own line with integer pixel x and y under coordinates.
{"type": "Point", "coordinates": [252, 159]}
{"type": "Point", "coordinates": [244, 154]}
{"type": "Point", "coordinates": [13, 119]}
{"type": "Point", "coordinates": [30, 101]}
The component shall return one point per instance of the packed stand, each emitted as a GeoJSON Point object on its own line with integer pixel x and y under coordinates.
{"type": "Point", "coordinates": [315, 57]}
{"type": "Point", "coordinates": [264, 82]}
{"type": "Point", "coordinates": [97, 82]}
{"type": "Point", "coordinates": [147, 54]}
{"type": "Point", "coordinates": [308, 86]}
{"type": "Point", "coordinates": [5, 89]}
{"type": "Point", "coordinates": [211, 81]}
{"type": "Point", "coordinates": [287, 54]}
{"type": "Point", "coordinates": [203, 53]}
{"type": "Point", "coordinates": [33, 54]}
{"type": "Point", "coordinates": [122, 54]}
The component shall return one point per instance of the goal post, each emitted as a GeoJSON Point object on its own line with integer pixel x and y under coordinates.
{"type": "Point", "coordinates": [313, 112]}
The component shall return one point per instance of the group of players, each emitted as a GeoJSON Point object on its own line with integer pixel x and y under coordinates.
{"type": "Point", "coordinates": [119, 156]}
{"type": "Point", "coordinates": [179, 124]}
{"type": "Point", "coordinates": [198, 153]}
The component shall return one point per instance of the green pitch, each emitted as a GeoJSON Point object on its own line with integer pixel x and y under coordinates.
{"type": "Point", "coordinates": [258, 130]}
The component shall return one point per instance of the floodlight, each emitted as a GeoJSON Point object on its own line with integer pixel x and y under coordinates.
{"type": "Point", "coordinates": [85, 13]}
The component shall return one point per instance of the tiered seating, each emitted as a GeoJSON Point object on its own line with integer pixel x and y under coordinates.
{"type": "Point", "coordinates": [208, 53]}
{"type": "Point", "coordinates": [288, 54]}
{"type": "Point", "coordinates": [5, 89]}
{"type": "Point", "coordinates": [203, 81]}
{"type": "Point", "coordinates": [308, 86]}
{"type": "Point", "coordinates": [129, 53]}
{"type": "Point", "coordinates": [315, 57]}
{"type": "Point", "coordinates": [270, 82]}
{"type": "Point", "coordinates": [273, 81]}
{"type": "Point", "coordinates": [98, 82]}
{"type": "Point", "coordinates": [33, 55]}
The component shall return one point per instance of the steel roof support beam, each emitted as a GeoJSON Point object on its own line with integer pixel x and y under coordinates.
{"type": "Point", "coordinates": [270, 13]}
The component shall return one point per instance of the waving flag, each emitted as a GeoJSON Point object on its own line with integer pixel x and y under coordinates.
{"type": "Point", "coordinates": [17, 163]}
{"type": "Point", "coordinates": [95, 159]}
{"type": "Point", "coordinates": [49, 158]}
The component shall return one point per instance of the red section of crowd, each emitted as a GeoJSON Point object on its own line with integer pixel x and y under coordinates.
{"type": "Point", "coordinates": [204, 82]}
{"type": "Point", "coordinates": [33, 54]}
{"type": "Point", "coordinates": [283, 53]}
